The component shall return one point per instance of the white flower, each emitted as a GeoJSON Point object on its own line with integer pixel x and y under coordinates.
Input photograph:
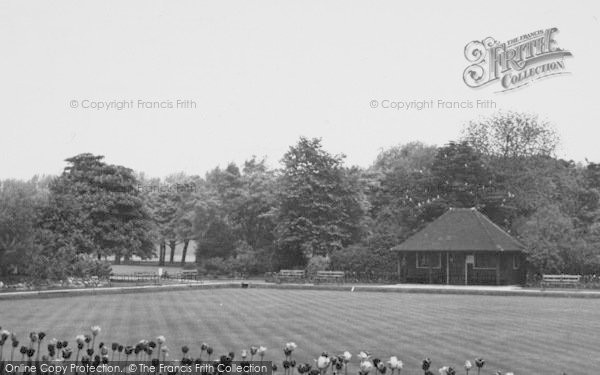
{"type": "Point", "coordinates": [95, 330]}
{"type": "Point", "coordinates": [291, 346]}
{"type": "Point", "coordinates": [347, 356]}
{"type": "Point", "coordinates": [366, 366]}
{"type": "Point", "coordinates": [161, 339]}
{"type": "Point", "coordinates": [323, 362]}
{"type": "Point", "coordinates": [164, 349]}
{"type": "Point", "coordinates": [363, 356]}
{"type": "Point", "coordinates": [80, 339]}
{"type": "Point", "coordinates": [244, 354]}
{"type": "Point", "coordinates": [262, 350]}
{"type": "Point", "coordinates": [468, 365]}
{"type": "Point", "coordinates": [394, 363]}
{"type": "Point", "coordinates": [443, 370]}
{"type": "Point", "coordinates": [4, 333]}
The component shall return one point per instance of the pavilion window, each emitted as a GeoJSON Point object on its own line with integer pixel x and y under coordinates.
{"type": "Point", "coordinates": [429, 260]}
{"type": "Point", "coordinates": [485, 261]}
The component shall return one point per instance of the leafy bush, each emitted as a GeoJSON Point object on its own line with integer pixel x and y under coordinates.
{"type": "Point", "coordinates": [218, 266]}
{"type": "Point", "coordinates": [86, 266]}
{"type": "Point", "coordinates": [361, 258]}
{"type": "Point", "coordinates": [64, 263]}
{"type": "Point", "coordinates": [317, 263]}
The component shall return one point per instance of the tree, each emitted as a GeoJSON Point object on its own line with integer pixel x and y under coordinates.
{"type": "Point", "coordinates": [512, 135]}
{"type": "Point", "coordinates": [319, 205]}
{"type": "Point", "coordinates": [548, 235]}
{"type": "Point", "coordinates": [18, 215]}
{"type": "Point", "coordinates": [95, 208]}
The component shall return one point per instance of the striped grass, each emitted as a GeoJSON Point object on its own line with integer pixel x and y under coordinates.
{"type": "Point", "coordinates": [522, 334]}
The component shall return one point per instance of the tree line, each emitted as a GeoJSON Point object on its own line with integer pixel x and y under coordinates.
{"type": "Point", "coordinates": [313, 210]}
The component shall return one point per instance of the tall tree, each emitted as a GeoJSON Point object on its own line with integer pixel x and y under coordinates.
{"type": "Point", "coordinates": [320, 210]}
{"type": "Point", "coordinates": [95, 208]}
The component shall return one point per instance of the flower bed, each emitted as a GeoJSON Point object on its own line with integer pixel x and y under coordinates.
{"type": "Point", "coordinates": [88, 350]}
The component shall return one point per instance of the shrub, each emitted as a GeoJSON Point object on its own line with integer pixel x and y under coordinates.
{"type": "Point", "coordinates": [218, 266]}
{"type": "Point", "coordinates": [317, 263]}
{"type": "Point", "coordinates": [361, 258]}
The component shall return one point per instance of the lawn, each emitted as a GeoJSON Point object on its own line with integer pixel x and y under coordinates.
{"type": "Point", "coordinates": [526, 335]}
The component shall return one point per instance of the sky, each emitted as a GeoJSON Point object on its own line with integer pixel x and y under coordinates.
{"type": "Point", "coordinates": [263, 73]}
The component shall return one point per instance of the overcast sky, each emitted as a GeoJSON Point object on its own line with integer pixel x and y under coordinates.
{"type": "Point", "coordinates": [263, 73]}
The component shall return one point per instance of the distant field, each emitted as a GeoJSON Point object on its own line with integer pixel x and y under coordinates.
{"type": "Point", "coordinates": [130, 269]}
{"type": "Point", "coordinates": [521, 334]}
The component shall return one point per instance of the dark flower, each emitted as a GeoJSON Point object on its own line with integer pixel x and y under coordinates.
{"type": "Point", "coordinates": [67, 353]}
{"type": "Point", "coordinates": [293, 363]}
{"type": "Point", "coordinates": [23, 350]}
{"type": "Point", "coordinates": [128, 350]}
{"type": "Point", "coordinates": [105, 360]}
{"type": "Point", "coordinates": [152, 344]}
{"type": "Point", "coordinates": [59, 345]}
{"type": "Point", "coordinates": [231, 355]}
{"type": "Point", "coordinates": [79, 345]}
{"type": "Point", "coordinates": [274, 367]}
{"type": "Point", "coordinates": [15, 343]}
{"type": "Point", "coordinates": [41, 335]}
{"type": "Point", "coordinates": [155, 362]}
{"type": "Point", "coordinates": [286, 364]}
{"type": "Point", "coordinates": [204, 346]}
{"type": "Point", "coordinates": [101, 345]}
{"type": "Point", "coordinates": [120, 348]}
{"type": "Point", "coordinates": [30, 352]}
{"type": "Point", "coordinates": [479, 362]}
{"type": "Point", "coordinates": [114, 346]}
{"type": "Point", "coordinates": [185, 349]}
{"type": "Point", "coordinates": [314, 372]}
{"type": "Point", "coordinates": [88, 338]}
{"type": "Point", "coordinates": [304, 368]}
{"type": "Point", "coordinates": [33, 336]}
{"type": "Point", "coordinates": [65, 343]}
{"type": "Point", "coordinates": [90, 352]}
{"type": "Point", "coordinates": [209, 350]}
{"type": "Point", "coordinates": [426, 364]}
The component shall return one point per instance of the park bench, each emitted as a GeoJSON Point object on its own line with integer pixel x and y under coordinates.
{"type": "Point", "coordinates": [189, 274]}
{"type": "Point", "coordinates": [291, 275]}
{"type": "Point", "coordinates": [561, 280]}
{"type": "Point", "coordinates": [330, 276]}
{"type": "Point", "coordinates": [145, 276]}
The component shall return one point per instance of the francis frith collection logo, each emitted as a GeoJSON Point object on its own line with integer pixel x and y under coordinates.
{"type": "Point", "coordinates": [515, 63]}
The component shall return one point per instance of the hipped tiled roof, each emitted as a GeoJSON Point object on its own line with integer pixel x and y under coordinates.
{"type": "Point", "coordinates": [461, 229]}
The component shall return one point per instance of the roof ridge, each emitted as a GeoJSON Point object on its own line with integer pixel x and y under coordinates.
{"type": "Point", "coordinates": [497, 227]}
{"type": "Point", "coordinates": [487, 232]}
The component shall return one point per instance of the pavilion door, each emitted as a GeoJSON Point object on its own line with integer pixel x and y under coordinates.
{"type": "Point", "coordinates": [456, 269]}
{"type": "Point", "coordinates": [469, 274]}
